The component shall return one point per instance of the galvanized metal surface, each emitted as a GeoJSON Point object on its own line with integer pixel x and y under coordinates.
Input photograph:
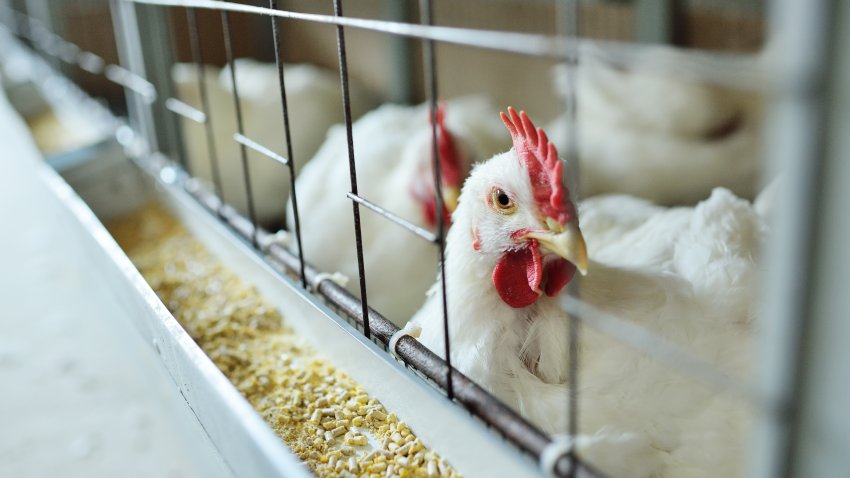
{"type": "Point", "coordinates": [245, 442]}
{"type": "Point", "coordinates": [804, 307]}
{"type": "Point", "coordinates": [656, 20]}
{"type": "Point", "coordinates": [83, 394]}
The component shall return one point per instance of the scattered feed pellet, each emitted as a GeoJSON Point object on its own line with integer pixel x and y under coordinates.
{"type": "Point", "coordinates": [320, 413]}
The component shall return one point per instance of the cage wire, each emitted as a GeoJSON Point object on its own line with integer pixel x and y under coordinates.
{"type": "Point", "coordinates": [141, 87]}
{"type": "Point", "coordinates": [152, 104]}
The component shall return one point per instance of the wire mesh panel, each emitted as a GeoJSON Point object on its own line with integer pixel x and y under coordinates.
{"type": "Point", "coordinates": [592, 46]}
{"type": "Point", "coordinates": [556, 48]}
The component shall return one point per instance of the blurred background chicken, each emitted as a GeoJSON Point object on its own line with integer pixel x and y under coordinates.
{"type": "Point", "coordinates": [313, 97]}
{"type": "Point", "coordinates": [687, 274]}
{"type": "Point", "coordinates": [393, 151]}
{"type": "Point", "coordinates": [659, 137]}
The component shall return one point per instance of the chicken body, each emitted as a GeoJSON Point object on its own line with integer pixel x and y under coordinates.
{"type": "Point", "coordinates": [665, 139]}
{"type": "Point", "coordinates": [685, 274]}
{"type": "Point", "coordinates": [315, 104]}
{"type": "Point", "coordinates": [392, 148]}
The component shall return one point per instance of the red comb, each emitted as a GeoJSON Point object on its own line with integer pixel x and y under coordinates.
{"type": "Point", "coordinates": [450, 166]}
{"type": "Point", "coordinates": [544, 167]}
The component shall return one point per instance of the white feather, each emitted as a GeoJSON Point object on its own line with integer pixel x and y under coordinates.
{"type": "Point", "coordinates": [665, 139]}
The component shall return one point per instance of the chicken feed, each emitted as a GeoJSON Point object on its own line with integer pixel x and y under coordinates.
{"type": "Point", "coordinates": [327, 420]}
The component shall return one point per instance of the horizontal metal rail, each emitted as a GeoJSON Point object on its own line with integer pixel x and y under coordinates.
{"type": "Point", "coordinates": [185, 110]}
{"type": "Point", "coordinates": [255, 146]}
{"type": "Point", "coordinates": [131, 81]}
{"type": "Point", "coordinates": [733, 70]}
{"type": "Point", "coordinates": [55, 46]}
{"type": "Point", "coordinates": [419, 231]}
{"type": "Point", "coordinates": [69, 52]}
{"type": "Point", "coordinates": [91, 62]}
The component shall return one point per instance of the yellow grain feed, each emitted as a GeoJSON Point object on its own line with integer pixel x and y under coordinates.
{"type": "Point", "coordinates": [320, 413]}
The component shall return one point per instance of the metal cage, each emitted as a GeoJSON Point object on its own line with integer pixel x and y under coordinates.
{"type": "Point", "coordinates": [802, 68]}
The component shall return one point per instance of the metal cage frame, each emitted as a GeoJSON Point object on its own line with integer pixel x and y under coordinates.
{"type": "Point", "coordinates": [805, 84]}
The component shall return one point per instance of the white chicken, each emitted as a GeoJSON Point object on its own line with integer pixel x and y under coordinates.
{"type": "Point", "coordinates": [393, 151]}
{"type": "Point", "coordinates": [665, 139]}
{"type": "Point", "coordinates": [685, 274]}
{"type": "Point", "coordinates": [315, 104]}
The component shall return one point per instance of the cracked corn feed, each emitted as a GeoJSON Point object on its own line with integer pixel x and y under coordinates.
{"type": "Point", "coordinates": [320, 413]}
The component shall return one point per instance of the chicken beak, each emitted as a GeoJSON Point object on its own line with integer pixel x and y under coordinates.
{"type": "Point", "coordinates": [565, 241]}
{"type": "Point", "coordinates": [450, 197]}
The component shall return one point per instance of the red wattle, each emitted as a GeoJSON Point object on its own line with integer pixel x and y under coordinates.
{"type": "Point", "coordinates": [517, 276]}
{"type": "Point", "coordinates": [558, 274]}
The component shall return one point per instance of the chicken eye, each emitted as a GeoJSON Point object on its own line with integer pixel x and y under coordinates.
{"type": "Point", "coordinates": [502, 202]}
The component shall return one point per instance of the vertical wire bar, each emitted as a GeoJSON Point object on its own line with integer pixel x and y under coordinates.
{"type": "Point", "coordinates": [228, 51]}
{"type": "Point", "coordinates": [291, 163]}
{"type": "Point", "coordinates": [401, 53]}
{"type": "Point", "coordinates": [823, 383]}
{"type": "Point", "coordinates": [39, 12]}
{"type": "Point", "coordinates": [128, 44]}
{"type": "Point", "coordinates": [346, 102]}
{"type": "Point", "coordinates": [87, 39]}
{"type": "Point", "coordinates": [6, 19]}
{"type": "Point", "coordinates": [655, 21]}
{"type": "Point", "coordinates": [569, 26]}
{"type": "Point", "coordinates": [198, 59]}
{"type": "Point", "coordinates": [795, 147]}
{"type": "Point", "coordinates": [175, 57]}
{"type": "Point", "coordinates": [158, 60]}
{"type": "Point", "coordinates": [427, 11]}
